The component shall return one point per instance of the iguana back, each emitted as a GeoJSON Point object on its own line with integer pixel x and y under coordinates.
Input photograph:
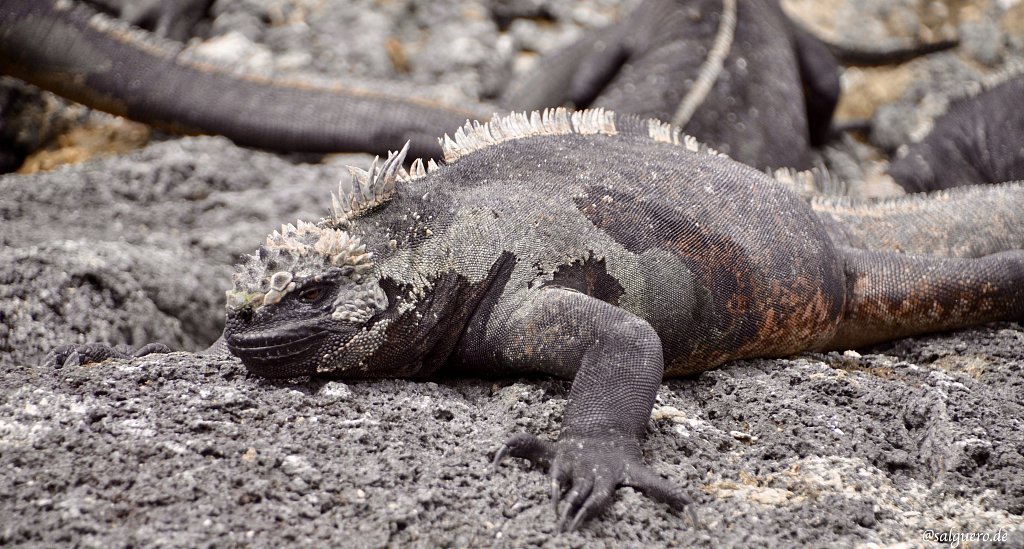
{"type": "Point", "coordinates": [661, 230]}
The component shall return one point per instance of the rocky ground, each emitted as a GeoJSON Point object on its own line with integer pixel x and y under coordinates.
{"type": "Point", "coordinates": [872, 448]}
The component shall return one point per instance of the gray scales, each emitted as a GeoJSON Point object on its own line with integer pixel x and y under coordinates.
{"type": "Point", "coordinates": [836, 208]}
{"type": "Point", "coordinates": [612, 251]}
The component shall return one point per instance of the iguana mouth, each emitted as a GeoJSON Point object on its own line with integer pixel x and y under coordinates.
{"type": "Point", "coordinates": [264, 353]}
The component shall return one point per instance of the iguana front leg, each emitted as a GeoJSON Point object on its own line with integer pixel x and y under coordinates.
{"type": "Point", "coordinates": [616, 362]}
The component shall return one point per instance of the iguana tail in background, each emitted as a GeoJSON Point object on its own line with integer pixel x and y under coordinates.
{"type": "Point", "coordinates": [72, 50]}
{"type": "Point", "coordinates": [970, 221]}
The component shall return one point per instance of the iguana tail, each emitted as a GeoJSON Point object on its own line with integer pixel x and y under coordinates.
{"type": "Point", "coordinates": [892, 295]}
{"type": "Point", "coordinates": [74, 51]}
{"type": "Point", "coordinates": [961, 222]}
{"type": "Point", "coordinates": [891, 51]}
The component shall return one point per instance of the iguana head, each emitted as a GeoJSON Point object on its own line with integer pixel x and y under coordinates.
{"type": "Point", "coordinates": [309, 300]}
{"type": "Point", "coordinates": [305, 303]}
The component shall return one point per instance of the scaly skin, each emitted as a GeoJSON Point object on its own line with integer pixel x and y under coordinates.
{"type": "Point", "coordinates": [604, 251]}
{"type": "Point", "coordinates": [771, 100]}
{"type": "Point", "coordinates": [936, 224]}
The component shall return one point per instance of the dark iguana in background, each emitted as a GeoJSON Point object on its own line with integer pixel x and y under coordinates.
{"type": "Point", "coordinates": [612, 251]}
{"type": "Point", "coordinates": [175, 20]}
{"type": "Point", "coordinates": [739, 74]}
{"type": "Point", "coordinates": [980, 139]}
{"type": "Point", "coordinates": [74, 51]}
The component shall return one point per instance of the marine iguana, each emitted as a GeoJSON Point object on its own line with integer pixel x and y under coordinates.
{"type": "Point", "coordinates": [979, 139]}
{"type": "Point", "coordinates": [747, 69]}
{"type": "Point", "coordinates": [609, 250]}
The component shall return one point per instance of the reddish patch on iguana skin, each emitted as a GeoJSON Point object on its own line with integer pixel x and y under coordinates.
{"type": "Point", "coordinates": [893, 296]}
{"type": "Point", "coordinates": [752, 301]}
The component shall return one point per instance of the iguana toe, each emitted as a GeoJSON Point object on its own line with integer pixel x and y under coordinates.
{"type": "Point", "coordinates": [577, 495]}
{"type": "Point", "coordinates": [526, 447]}
{"type": "Point", "coordinates": [593, 468]}
{"type": "Point", "coordinates": [87, 353]}
{"type": "Point", "coordinates": [661, 489]}
{"type": "Point", "coordinates": [151, 348]}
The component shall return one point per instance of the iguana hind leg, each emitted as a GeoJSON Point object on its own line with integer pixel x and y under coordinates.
{"type": "Point", "coordinates": [892, 295]}
{"type": "Point", "coordinates": [962, 222]}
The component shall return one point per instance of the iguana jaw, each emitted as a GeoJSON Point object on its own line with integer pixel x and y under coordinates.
{"type": "Point", "coordinates": [279, 352]}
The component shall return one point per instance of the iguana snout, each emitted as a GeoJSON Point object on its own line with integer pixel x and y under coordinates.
{"type": "Point", "coordinates": [276, 348]}
{"type": "Point", "coordinates": [275, 351]}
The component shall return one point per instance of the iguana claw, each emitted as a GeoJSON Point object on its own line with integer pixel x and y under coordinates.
{"type": "Point", "coordinates": [499, 456]}
{"type": "Point", "coordinates": [588, 471]}
{"type": "Point", "coordinates": [77, 355]}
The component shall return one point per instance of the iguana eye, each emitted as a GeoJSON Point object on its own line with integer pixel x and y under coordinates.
{"type": "Point", "coordinates": [310, 295]}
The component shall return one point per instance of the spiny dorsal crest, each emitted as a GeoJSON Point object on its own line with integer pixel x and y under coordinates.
{"type": "Point", "coordinates": [810, 183]}
{"type": "Point", "coordinates": [366, 190]}
{"type": "Point", "coordinates": [1011, 70]}
{"type": "Point", "coordinates": [307, 239]}
{"type": "Point", "coordinates": [663, 132]}
{"type": "Point", "coordinates": [933, 108]}
{"type": "Point", "coordinates": [912, 202]}
{"type": "Point", "coordinates": [475, 136]}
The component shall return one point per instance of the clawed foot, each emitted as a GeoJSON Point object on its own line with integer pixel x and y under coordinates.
{"type": "Point", "coordinates": [174, 20]}
{"type": "Point", "coordinates": [77, 355]}
{"type": "Point", "coordinates": [585, 472]}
